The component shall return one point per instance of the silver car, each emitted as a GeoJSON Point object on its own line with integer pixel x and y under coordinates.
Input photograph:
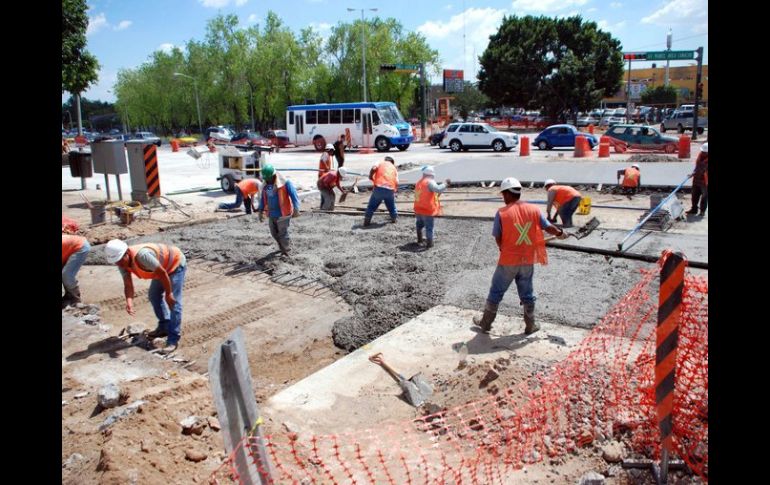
{"type": "Point", "coordinates": [148, 137]}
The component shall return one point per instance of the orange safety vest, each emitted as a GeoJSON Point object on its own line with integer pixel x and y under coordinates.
{"type": "Point", "coordinates": [284, 201]}
{"type": "Point", "coordinates": [426, 203]}
{"type": "Point", "coordinates": [248, 187]}
{"type": "Point", "coordinates": [631, 177]}
{"type": "Point", "coordinates": [70, 245]}
{"type": "Point", "coordinates": [523, 241]}
{"type": "Point", "coordinates": [169, 257]}
{"type": "Point", "coordinates": [386, 175]}
{"type": "Point", "coordinates": [324, 167]}
{"type": "Point", "coordinates": [564, 193]}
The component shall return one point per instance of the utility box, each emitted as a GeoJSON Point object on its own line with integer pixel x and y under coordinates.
{"type": "Point", "coordinates": [143, 164]}
{"type": "Point", "coordinates": [109, 157]}
{"type": "Point", "coordinates": [80, 164]}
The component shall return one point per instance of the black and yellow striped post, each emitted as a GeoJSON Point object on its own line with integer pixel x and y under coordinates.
{"type": "Point", "coordinates": [667, 338]}
{"type": "Point", "coordinates": [151, 171]}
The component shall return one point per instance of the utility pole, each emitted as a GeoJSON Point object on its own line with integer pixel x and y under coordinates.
{"type": "Point", "coordinates": [668, 48]}
{"type": "Point", "coordinates": [363, 46]}
{"type": "Point", "coordinates": [698, 93]}
{"type": "Point", "coordinates": [424, 100]}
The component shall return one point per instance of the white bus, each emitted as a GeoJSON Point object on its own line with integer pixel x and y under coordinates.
{"type": "Point", "coordinates": [378, 125]}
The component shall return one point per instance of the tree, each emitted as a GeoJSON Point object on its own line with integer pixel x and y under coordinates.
{"type": "Point", "coordinates": [659, 95]}
{"type": "Point", "coordinates": [471, 99]}
{"type": "Point", "coordinates": [553, 64]}
{"type": "Point", "coordinates": [79, 67]}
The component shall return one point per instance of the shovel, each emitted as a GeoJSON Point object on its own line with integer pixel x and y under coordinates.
{"type": "Point", "coordinates": [582, 232]}
{"type": "Point", "coordinates": [416, 390]}
{"type": "Point", "coordinates": [354, 189]}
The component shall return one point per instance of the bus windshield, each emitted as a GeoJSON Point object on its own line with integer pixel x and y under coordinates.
{"type": "Point", "coordinates": [390, 115]}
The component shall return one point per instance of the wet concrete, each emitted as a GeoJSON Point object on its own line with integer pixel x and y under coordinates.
{"type": "Point", "coordinates": [387, 279]}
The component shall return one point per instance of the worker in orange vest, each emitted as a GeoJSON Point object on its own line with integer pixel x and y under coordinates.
{"type": "Point", "coordinates": [384, 177]}
{"type": "Point", "coordinates": [565, 198]}
{"type": "Point", "coordinates": [426, 203]}
{"type": "Point", "coordinates": [74, 250]}
{"type": "Point", "coordinates": [279, 198]}
{"type": "Point", "coordinates": [326, 186]}
{"type": "Point", "coordinates": [518, 231]}
{"type": "Point", "coordinates": [245, 191]}
{"type": "Point", "coordinates": [632, 178]}
{"type": "Point", "coordinates": [325, 163]}
{"type": "Point", "coordinates": [700, 182]}
{"type": "Point", "coordinates": [166, 267]}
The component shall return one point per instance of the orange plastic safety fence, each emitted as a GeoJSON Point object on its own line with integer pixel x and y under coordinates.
{"type": "Point", "coordinates": [604, 389]}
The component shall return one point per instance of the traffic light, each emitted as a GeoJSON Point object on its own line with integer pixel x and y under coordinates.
{"type": "Point", "coordinates": [635, 56]}
{"type": "Point", "coordinates": [387, 67]}
{"type": "Point", "coordinates": [699, 91]}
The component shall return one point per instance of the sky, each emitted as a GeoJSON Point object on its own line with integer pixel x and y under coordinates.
{"type": "Point", "coordinates": [123, 34]}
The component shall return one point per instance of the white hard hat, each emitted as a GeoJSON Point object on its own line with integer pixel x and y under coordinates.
{"type": "Point", "coordinates": [343, 173]}
{"type": "Point", "coordinates": [635, 165]}
{"type": "Point", "coordinates": [428, 170]}
{"type": "Point", "coordinates": [329, 146]}
{"type": "Point", "coordinates": [705, 147]}
{"type": "Point", "coordinates": [549, 182]}
{"type": "Point", "coordinates": [114, 250]}
{"type": "Point", "coordinates": [511, 184]}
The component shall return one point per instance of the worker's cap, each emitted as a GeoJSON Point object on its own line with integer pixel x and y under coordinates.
{"type": "Point", "coordinates": [343, 173]}
{"type": "Point", "coordinates": [549, 182]}
{"type": "Point", "coordinates": [705, 147]}
{"type": "Point", "coordinates": [329, 146]}
{"type": "Point", "coordinates": [511, 184]}
{"type": "Point", "coordinates": [390, 159]}
{"type": "Point", "coordinates": [635, 165]}
{"type": "Point", "coordinates": [428, 170]}
{"type": "Point", "coordinates": [114, 250]}
{"type": "Point", "coordinates": [267, 171]}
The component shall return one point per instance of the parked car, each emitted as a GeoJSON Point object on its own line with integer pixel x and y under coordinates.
{"type": "Point", "coordinates": [587, 120]}
{"type": "Point", "coordinates": [463, 136]}
{"type": "Point", "coordinates": [611, 120]}
{"type": "Point", "coordinates": [278, 138]}
{"type": "Point", "coordinates": [643, 135]}
{"type": "Point", "coordinates": [556, 136]}
{"type": "Point", "coordinates": [147, 136]}
{"type": "Point", "coordinates": [435, 138]}
{"type": "Point", "coordinates": [681, 121]}
{"type": "Point", "coordinates": [250, 138]}
{"type": "Point", "coordinates": [218, 133]}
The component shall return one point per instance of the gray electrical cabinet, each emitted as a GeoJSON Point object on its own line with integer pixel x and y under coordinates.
{"type": "Point", "coordinates": [109, 157]}
{"type": "Point", "coordinates": [138, 169]}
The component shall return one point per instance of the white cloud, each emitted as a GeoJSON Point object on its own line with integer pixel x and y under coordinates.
{"type": "Point", "coordinates": [546, 5]}
{"type": "Point", "coordinates": [592, 9]}
{"type": "Point", "coordinates": [221, 3]}
{"type": "Point", "coordinates": [252, 18]}
{"type": "Point", "coordinates": [608, 27]}
{"type": "Point", "coordinates": [689, 13]}
{"type": "Point", "coordinates": [166, 47]}
{"type": "Point", "coordinates": [238, 3]}
{"type": "Point", "coordinates": [449, 7]}
{"type": "Point", "coordinates": [97, 23]}
{"type": "Point", "coordinates": [616, 4]}
{"type": "Point", "coordinates": [124, 24]}
{"type": "Point", "coordinates": [322, 28]}
{"type": "Point", "coordinates": [102, 90]}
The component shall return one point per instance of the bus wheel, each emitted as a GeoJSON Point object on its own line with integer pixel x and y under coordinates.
{"type": "Point", "coordinates": [319, 143]}
{"type": "Point", "coordinates": [402, 147]}
{"type": "Point", "coordinates": [382, 144]}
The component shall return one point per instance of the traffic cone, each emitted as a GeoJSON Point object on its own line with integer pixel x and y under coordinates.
{"type": "Point", "coordinates": [524, 147]}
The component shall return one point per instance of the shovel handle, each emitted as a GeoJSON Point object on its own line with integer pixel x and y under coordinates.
{"type": "Point", "coordinates": [377, 359]}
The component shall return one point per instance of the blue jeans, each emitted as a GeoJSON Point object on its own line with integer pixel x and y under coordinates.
{"type": "Point", "coordinates": [502, 279]}
{"type": "Point", "coordinates": [427, 223]}
{"type": "Point", "coordinates": [379, 195]}
{"type": "Point", "coordinates": [69, 271]}
{"type": "Point", "coordinates": [169, 320]}
{"type": "Point", "coordinates": [239, 198]}
{"type": "Point", "coordinates": [567, 210]}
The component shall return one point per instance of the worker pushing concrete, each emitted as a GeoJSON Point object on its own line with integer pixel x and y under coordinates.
{"type": "Point", "coordinates": [632, 178]}
{"type": "Point", "coordinates": [384, 177]}
{"type": "Point", "coordinates": [565, 198]}
{"type": "Point", "coordinates": [518, 231]}
{"type": "Point", "coordinates": [279, 198]}
{"type": "Point", "coordinates": [166, 267]}
{"type": "Point", "coordinates": [245, 191]}
{"type": "Point", "coordinates": [426, 203]}
{"type": "Point", "coordinates": [326, 186]}
{"type": "Point", "coordinates": [74, 250]}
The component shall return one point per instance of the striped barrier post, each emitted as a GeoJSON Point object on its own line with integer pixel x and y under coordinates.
{"type": "Point", "coordinates": [151, 171]}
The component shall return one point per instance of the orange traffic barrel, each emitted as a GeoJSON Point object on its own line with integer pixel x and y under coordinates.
{"type": "Point", "coordinates": [591, 129]}
{"type": "Point", "coordinates": [580, 150]}
{"type": "Point", "coordinates": [524, 146]}
{"type": "Point", "coordinates": [604, 149]}
{"type": "Point", "coordinates": [174, 146]}
{"type": "Point", "coordinates": [684, 146]}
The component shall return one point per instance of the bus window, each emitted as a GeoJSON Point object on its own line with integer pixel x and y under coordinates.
{"type": "Point", "coordinates": [375, 118]}
{"type": "Point", "coordinates": [310, 117]}
{"type": "Point", "coordinates": [335, 117]}
{"type": "Point", "coordinates": [323, 116]}
{"type": "Point", "coordinates": [347, 115]}
{"type": "Point", "coordinates": [358, 116]}
{"type": "Point", "coordinates": [291, 117]}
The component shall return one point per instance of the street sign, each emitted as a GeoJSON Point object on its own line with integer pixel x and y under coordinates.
{"type": "Point", "coordinates": [400, 67]}
{"type": "Point", "coordinates": [453, 81]}
{"type": "Point", "coordinates": [659, 56]}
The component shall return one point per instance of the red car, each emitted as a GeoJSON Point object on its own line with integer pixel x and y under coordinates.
{"type": "Point", "coordinates": [250, 139]}
{"type": "Point", "coordinates": [279, 138]}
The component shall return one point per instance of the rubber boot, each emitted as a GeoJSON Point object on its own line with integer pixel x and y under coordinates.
{"type": "Point", "coordinates": [485, 322]}
{"type": "Point", "coordinates": [367, 221]}
{"type": "Point", "coordinates": [419, 236]}
{"type": "Point", "coordinates": [75, 292]}
{"type": "Point", "coordinates": [529, 319]}
{"type": "Point", "coordinates": [429, 243]}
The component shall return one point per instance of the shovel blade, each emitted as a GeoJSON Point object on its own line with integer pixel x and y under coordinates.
{"type": "Point", "coordinates": [423, 385]}
{"type": "Point", "coordinates": [412, 393]}
{"type": "Point", "coordinates": [587, 228]}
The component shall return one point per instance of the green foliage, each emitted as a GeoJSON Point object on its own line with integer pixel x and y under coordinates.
{"type": "Point", "coordinates": [550, 64]}
{"type": "Point", "coordinates": [471, 99]}
{"type": "Point", "coordinates": [659, 95]}
{"type": "Point", "coordinates": [88, 109]}
{"type": "Point", "coordinates": [79, 67]}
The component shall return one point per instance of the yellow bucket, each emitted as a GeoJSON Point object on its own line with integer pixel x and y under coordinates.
{"type": "Point", "coordinates": [585, 206]}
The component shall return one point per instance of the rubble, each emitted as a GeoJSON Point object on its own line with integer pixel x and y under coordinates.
{"type": "Point", "coordinates": [108, 396]}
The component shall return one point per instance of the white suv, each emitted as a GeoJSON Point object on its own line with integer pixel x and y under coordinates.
{"type": "Point", "coordinates": [462, 136]}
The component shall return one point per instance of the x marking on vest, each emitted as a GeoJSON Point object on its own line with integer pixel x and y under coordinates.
{"type": "Point", "coordinates": [523, 233]}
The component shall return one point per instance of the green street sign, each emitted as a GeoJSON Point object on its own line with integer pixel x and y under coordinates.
{"type": "Point", "coordinates": [670, 55]}
{"type": "Point", "coordinates": [400, 67]}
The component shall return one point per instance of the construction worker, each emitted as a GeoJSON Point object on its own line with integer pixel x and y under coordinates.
{"type": "Point", "coordinates": [384, 177]}
{"type": "Point", "coordinates": [74, 250]}
{"type": "Point", "coordinates": [426, 203]}
{"type": "Point", "coordinates": [700, 182]}
{"type": "Point", "coordinates": [339, 151]}
{"type": "Point", "coordinates": [165, 266]}
{"type": "Point", "coordinates": [565, 198]}
{"type": "Point", "coordinates": [632, 178]}
{"type": "Point", "coordinates": [326, 186]}
{"type": "Point", "coordinates": [325, 163]}
{"type": "Point", "coordinates": [518, 231]}
{"type": "Point", "coordinates": [245, 191]}
{"type": "Point", "coordinates": [279, 198]}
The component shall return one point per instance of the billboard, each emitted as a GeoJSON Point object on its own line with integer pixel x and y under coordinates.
{"type": "Point", "coordinates": [453, 81]}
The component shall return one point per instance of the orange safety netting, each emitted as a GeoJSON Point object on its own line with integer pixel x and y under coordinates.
{"type": "Point", "coordinates": [603, 389]}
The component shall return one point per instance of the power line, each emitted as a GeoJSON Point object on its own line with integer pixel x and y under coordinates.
{"type": "Point", "coordinates": [679, 39]}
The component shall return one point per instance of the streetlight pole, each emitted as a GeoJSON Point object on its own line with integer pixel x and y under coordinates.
{"type": "Point", "coordinates": [197, 101]}
{"type": "Point", "coordinates": [363, 45]}
{"type": "Point", "coordinates": [668, 48]}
